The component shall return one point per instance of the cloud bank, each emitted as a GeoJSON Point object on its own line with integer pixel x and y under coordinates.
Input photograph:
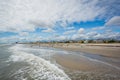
{"type": "Point", "coordinates": [114, 21]}
{"type": "Point", "coordinates": [27, 15]}
{"type": "Point", "coordinates": [24, 17]}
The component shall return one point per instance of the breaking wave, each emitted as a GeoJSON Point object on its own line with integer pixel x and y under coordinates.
{"type": "Point", "coordinates": [38, 69]}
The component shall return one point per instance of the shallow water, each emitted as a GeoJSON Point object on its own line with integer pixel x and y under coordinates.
{"type": "Point", "coordinates": [19, 62]}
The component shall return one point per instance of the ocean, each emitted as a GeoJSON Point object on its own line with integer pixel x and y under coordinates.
{"type": "Point", "coordinates": [20, 62]}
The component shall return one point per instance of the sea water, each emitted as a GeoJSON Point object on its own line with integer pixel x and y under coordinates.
{"type": "Point", "coordinates": [19, 62]}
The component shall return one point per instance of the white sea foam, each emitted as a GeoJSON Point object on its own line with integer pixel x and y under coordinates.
{"type": "Point", "coordinates": [39, 68]}
{"type": "Point", "coordinates": [42, 52]}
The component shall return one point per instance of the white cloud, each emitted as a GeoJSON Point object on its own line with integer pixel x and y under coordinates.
{"type": "Point", "coordinates": [23, 33]}
{"type": "Point", "coordinates": [99, 28]}
{"type": "Point", "coordinates": [96, 35]}
{"type": "Point", "coordinates": [111, 7]}
{"type": "Point", "coordinates": [81, 30]}
{"type": "Point", "coordinates": [20, 38]}
{"type": "Point", "coordinates": [114, 21]}
{"type": "Point", "coordinates": [88, 35]}
{"type": "Point", "coordinates": [27, 15]}
{"type": "Point", "coordinates": [61, 38]}
{"type": "Point", "coordinates": [10, 39]}
{"type": "Point", "coordinates": [70, 28]}
{"type": "Point", "coordinates": [69, 32]}
{"type": "Point", "coordinates": [48, 30]}
{"type": "Point", "coordinates": [78, 36]}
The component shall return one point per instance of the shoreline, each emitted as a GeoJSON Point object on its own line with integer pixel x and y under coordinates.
{"type": "Point", "coordinates": [106, 51]}
{"type": "Point", "coordinates": [99, 49]}
{"type": "Point", "coordinates": [97, 60]}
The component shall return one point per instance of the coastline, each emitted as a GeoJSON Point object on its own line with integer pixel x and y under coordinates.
{"type": "Point", "coordinates": [108, 65]}
{"type": "Point", "coordinates": [109, 51]}
{"type": "Point", "coordinates": [106, 50]}
{"type": "Point", "coordinates": [97, 60]}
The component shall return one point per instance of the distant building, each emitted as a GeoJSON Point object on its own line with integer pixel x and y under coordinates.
{"type": "Point", "coordinates": [98, 41]}
{"type": "Point", "coordinates": [86, 41]}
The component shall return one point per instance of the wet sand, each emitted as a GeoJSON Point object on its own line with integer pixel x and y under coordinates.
{"type": "Point", "coordinates": [99, 61]}
{"type": "Point", "coordinates": [109, 52]}
{"type": "Point", "coordinates": [81, 68]}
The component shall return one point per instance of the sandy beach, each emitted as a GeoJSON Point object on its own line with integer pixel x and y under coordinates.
{"type": "Point", "coordinates": [107, 56]}
{"type": "Point", "coordinates": [108, 50]}
{"type": "Point", "coordinates": [104, 50]}
{"type": "Point", "coordinates": [98, 59]}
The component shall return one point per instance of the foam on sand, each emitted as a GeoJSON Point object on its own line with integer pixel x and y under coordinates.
{"type": "Point", "coordinates": [39, 68]}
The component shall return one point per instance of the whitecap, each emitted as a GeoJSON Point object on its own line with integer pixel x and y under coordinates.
{"type": "Point", "coordinates": [38, 69]}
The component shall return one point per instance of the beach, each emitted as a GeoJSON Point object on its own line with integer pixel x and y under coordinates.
{"type": "Point", "coordinates": [61, 61]}
{"type": "Point", "coordinates": [108, 50]}
{"type": "Point", "coordinates": [108, 53]}
{"type": "Point", "coordinates": [97, 59]}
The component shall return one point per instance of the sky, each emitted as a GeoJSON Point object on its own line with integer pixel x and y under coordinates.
{"type": "Point", "coordinates": [58, 20]}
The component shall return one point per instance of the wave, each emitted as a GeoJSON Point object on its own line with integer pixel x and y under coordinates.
{"type": "Point", "coordinates": [38, 69]}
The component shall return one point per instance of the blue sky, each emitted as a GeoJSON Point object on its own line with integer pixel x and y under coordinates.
{"type": "Point", "coordinates": [48, 20]}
